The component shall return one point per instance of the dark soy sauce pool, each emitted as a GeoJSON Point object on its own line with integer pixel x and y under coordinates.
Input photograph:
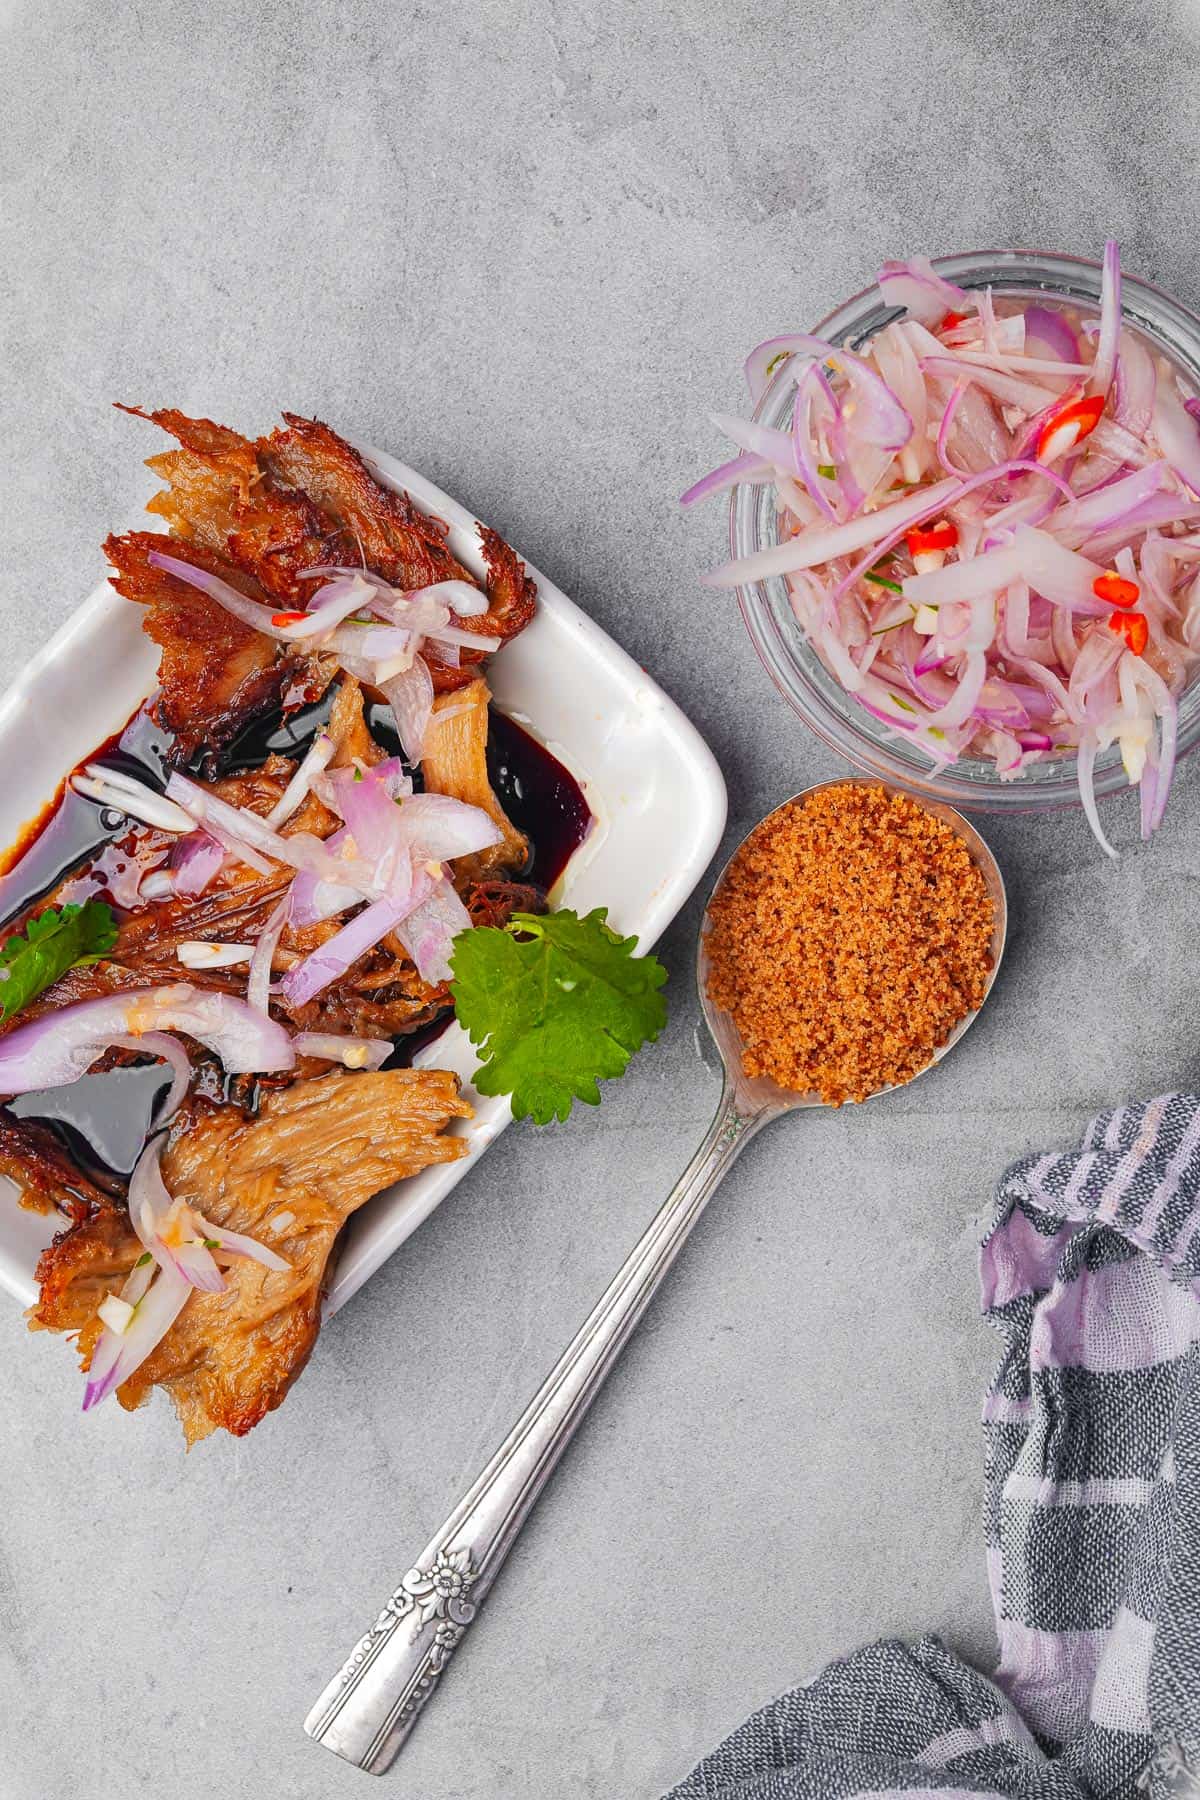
{"type": "Point", "coordinates": [102, 1119]}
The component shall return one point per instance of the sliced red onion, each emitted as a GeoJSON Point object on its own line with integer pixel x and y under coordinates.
{"type": "Point", "coordinates": [439, 827]}
{"type": "Point", "coordinates": [164, 1226]}
{"type": "Point", "coordinates": [1156, 511]}
{"type": "Point", "coordinates": [313, 900]}
{"type": "Point", "coordinates": [429, 931]}
{"type": "Point", "coordinates": [330, 961]}
{"type": "Point", "coordinates": [462, 640]}
{"type": "Point", "coordinates": [111, 788]}
{"type": "Point", "coordinates": [235, 847]}
{"type": "Point", "coordinates": [1059, 574]}
{"type": "Point", "coordinates": [373, 821]}
{"type": "Point", "coordinates": [822, 544]}
{"type": "Point", "coordinates": [1178, 435]}
{"type": "Point", "coordinates": [258, 986]}
{"type": "Point", "coordinates": [1135, 382]}
{"type": "Point", "coordinates": [352, 596]}
{"type": "Point", "coordinates": [766, 357]}
{"type": "Point", "coordinates": [900, 368]}
{"type": "Point", "coordinates": [740, 468]}
{"type": "Point", "coordinates": [917, 286]}
{"type": "Point", "coordinates": [412, 606]}
{"type": "Point", "coordinates": [959, 491]}
{"type": "Point", "coordinates": [1110, 320]}
{"type": "Point", "coordinates": [879, 418]}
{"type": "Point", "coordinates": [237, 1243]}
{"type": "Point", "coordinates": [156, 1308]}
{"type": "Point", "coordinates": [943, 454]}
{"type": "Point", "coordinates": [410, 696]}
{"type": "Point", "coordinates": [460, 597]}
{"type": "Point", "coordinates": [757, 440]}
{"type": "Point", "coordinates": [61, 1046]}
{"type": "Point", "coordinates": [1110, 505]}
{"type": "Point", "coordinates": [351, 1052]}
{"type": "Point", "coordinates": [1098, 656]}
{"type": "Point", "coordinates": [807, 388]}
{"type": "Point", "coordinates": [248, 831]}
{"type": "Point", "coordinates": [1119, 444]}
{"type": "Point", "coordinates": [1023, 394]}
{"type": "Point", "coordinates": [315, 761]}
{"type": "Point", "coordinates": [1144, 676]}
{"type": "Point", "coordinates": [195, 860]}
{"type": "Point", "coordinates": [1047, 329]}
{"type": "Point", "coordinates": [1021, 365]}
{"type": "Point", "coordinates": [371, 643]}
{"type": "Point", "coordinates": [1085, 766]}
{"type": "Point", "coordinates": [966, 697]}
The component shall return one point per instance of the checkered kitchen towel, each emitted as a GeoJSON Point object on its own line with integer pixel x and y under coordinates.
{"type": "Point", "coordinates": [1092, 1273]}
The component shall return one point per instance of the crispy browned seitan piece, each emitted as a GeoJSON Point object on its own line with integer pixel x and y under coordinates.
{"type": "Point", "coordinates": [215, 674]}
{"type": "Point", "coordinates": [46, 1174]}
{"type": "Point", "coordinates": [290, 1177]}
{"type": "Point", "coordinates": [303, 497]}
{"type": "Point", "coordinates": [455, 763]}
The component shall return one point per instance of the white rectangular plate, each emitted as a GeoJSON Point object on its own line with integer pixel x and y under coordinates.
{"type": "Point", "coordinates": [654, 789]}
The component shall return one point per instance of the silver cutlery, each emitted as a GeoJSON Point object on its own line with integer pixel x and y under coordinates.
{"type": "Point", "coordinates": [372, 1703]}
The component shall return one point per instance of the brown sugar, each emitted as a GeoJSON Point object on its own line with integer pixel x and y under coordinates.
{"type": "Point", "coordinates": [850, 936]}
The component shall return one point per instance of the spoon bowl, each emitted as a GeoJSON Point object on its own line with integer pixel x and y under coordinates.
{"type": "Point", "coordinates": [759, 1094]}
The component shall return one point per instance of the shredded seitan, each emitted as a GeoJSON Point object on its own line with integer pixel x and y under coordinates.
{"type": "Point", "coordinates": [850, 936]}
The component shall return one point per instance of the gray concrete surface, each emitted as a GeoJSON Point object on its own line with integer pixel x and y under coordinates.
{"type": "Point", "coordinates": [525, 246]}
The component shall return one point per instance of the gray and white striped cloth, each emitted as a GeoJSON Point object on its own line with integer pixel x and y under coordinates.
{"type": "Point", "coordinates": [1092, 1426]}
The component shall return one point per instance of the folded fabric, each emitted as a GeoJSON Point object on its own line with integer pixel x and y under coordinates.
{"type": "Point", "coordinates": [1092, 1426]}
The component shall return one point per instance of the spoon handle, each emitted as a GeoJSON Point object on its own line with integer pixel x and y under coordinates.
{"type": "Point", "coordinates": [371, 1705]}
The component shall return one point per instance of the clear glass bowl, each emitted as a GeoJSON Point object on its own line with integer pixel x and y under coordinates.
{"type": "Point", "coordinates": [794, 665]}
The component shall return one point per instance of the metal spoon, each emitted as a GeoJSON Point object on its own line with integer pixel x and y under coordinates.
{"type": "Point", "coordinates": [371, 1705]}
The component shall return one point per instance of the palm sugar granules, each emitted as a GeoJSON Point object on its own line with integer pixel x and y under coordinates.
{"type": "Point", "coordinates": [850, 936]}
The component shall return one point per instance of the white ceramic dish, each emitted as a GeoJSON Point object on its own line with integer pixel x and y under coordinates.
{"type": "Point", "coordinates": [653, 785]}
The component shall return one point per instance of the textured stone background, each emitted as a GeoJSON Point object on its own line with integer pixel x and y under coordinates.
{"type": "Point", "coordinates": [525, 247]}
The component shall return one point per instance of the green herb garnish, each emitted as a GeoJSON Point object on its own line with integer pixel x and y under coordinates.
{"type": "Point", "coordinates": [554, 1003]}
{"type": "Point", "coordinates": [883, 581]}
{"type": "Point", "coordinates": [902, 704]}
{"type": "Point", "coordinates": [211, 1243]}
{"type": "Point", "coordinates": [143, 1259]}
{"type": "Point", "coordinates": [828, 470]}
{"type": "Point", "coordinates": [51, 944]}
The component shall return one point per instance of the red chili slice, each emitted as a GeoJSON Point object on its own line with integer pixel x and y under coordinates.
{"type": "Point", "coordinates": [1069, 424]}
{"type": "Point", "coordinates": [1133, 627]}
{"type": "Point", "coordinates": [942, 536]}
{"type": "Point", "coordinates": [1115, 590]}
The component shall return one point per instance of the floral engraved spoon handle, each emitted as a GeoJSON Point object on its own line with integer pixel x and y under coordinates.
{"type": "Point", "coordinates": [370, 1706]}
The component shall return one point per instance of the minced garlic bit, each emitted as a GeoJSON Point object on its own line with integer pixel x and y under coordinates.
{"type": "Point", "coordinates": [115, 1313]}
{"type": "Point", "coordinates": [849, 938]}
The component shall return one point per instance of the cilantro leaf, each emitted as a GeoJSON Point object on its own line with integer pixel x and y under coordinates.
{"type": "Point", "coordinates": [50, 945]}
{"type": "Point", "coordinates": [554, 1003]}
